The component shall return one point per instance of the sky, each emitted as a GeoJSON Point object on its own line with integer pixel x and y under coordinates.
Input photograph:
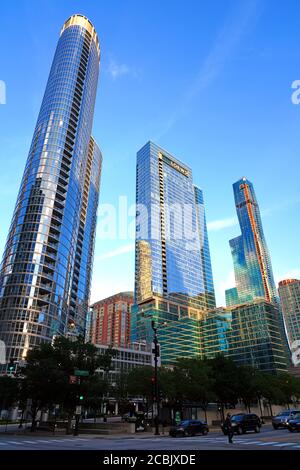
{"type": "Point", "coordinates": [211, 82]}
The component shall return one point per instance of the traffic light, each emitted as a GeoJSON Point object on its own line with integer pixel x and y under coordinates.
{"type": "Point", "coordinates": [81, 398]}
{"type": "Point", "coordinates": [12, 367]}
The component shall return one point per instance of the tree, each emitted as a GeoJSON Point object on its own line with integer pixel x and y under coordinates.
{"type": "Point", "coordinates": [225, 374]}
{"type": "Point", "coordinates": [9, 392]}
{"type": "Point", "coordinates": [46, 376]}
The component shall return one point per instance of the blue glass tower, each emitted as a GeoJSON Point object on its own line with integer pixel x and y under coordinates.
{"type": "Point", "coordinates": [171, 220]}
{"type": "Point", "coordinates": [46, 268]}
{"type": "Point", "coordinates": [173, 284]}
{"type": "Point", "coordinates": [251, 259]}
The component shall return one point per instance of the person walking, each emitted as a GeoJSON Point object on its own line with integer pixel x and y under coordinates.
{"type": "Point", "coordinates": [229, 429]}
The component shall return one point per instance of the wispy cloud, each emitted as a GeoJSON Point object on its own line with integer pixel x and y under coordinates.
{"type": "Point", "coordinates": [292, 274]}
{"type": "Point", "coordinates": [236, 25]}
{"type": "Point", "coordinates": [216, 225]}
{"type": "Point", "coordinates": [117, 70]}
{"type": "Point", "coordinates": [118, 251]}
{"type": "Point", "coordinates": [223, 285]}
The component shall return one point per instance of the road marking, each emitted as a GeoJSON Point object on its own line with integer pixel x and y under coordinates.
{"type": "Point", "coordinates": [284, 444]}
{"type": "Point", "coordinates": [2, 444]}
{"type": "Point", "coordinates": [30, 442]}
{"type": "Point", "coordinates": [268, 443]}
{"type": "Point", "coordinates": [248, 443]}
{"type": "Point", "coordinates": [14, 442]}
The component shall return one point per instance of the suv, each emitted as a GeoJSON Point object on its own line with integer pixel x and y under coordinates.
{"type": "Point", "coordinates": [189, 427]}
{"type": "Point", "coordinates": [242, 423]}
{"type": "Point", "coordinates": [281, 420]}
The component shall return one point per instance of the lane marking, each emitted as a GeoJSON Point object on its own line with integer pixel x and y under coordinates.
{"type": "Point", "coordinates": [285, 444]}
{"type": "Point", "coordinates": [268, 443]}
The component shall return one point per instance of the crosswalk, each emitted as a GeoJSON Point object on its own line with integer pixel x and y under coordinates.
{"type": "Point", "coordinates": [197, 442]}
{"type": "Point", "coordinates": [39, 442]}
{"type": "Point", "coordinates": [236, 440]}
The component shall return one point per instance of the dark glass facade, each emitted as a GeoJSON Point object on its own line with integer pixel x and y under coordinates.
{"type": "Point", "coordinates": [251, 259]}
{"type": "Point", "coordinates": [46, 267]}
{"type": "Point", "coordinates": [250, 334]}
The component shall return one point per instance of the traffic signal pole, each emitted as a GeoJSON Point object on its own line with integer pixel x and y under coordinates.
{"type": "Point", "coordinates": [155, 341]}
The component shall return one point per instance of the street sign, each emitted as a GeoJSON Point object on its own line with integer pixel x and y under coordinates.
{"type": "Point", "coordinates": [78, 410]}
{"type": "Point", "coordinates": [81, 373]}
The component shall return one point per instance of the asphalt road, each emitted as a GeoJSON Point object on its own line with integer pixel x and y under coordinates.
{"type": "Point", "coordinates": [268, 439]}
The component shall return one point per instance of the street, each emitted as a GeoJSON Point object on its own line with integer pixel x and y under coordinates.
{"type": "Point", "coordinates": [268, 439]}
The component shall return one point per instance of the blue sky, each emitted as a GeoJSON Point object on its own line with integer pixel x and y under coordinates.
{"type": "Point", "coordinates": [208, 81]}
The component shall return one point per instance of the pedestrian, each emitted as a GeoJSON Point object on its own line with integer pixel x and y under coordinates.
{"type": "Point", "coordinates": [228, 428]}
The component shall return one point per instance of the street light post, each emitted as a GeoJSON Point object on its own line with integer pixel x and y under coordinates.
{"type": "Point", "coordinates": [155, 341]}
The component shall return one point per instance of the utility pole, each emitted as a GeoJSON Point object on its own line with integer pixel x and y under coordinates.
{"type": "Point", "coordinates": [155, 341]}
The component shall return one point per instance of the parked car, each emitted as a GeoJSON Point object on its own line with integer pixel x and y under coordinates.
{"type": "Point", "coordinates": [243, 422]}
{"type": "Point", "coordinates": [294, 423]}
{"type": "Point", "coordinates": [189, 427]}
{"type": "Point", "coordinates": [281, 420]}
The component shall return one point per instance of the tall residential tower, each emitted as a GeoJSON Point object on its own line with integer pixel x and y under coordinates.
{"type": "Point", "coordinates": [251, 259]}
{"type": "Point", "coordinates": [173, 267]}
{"type": "Point", "coordinates": [46, 268]}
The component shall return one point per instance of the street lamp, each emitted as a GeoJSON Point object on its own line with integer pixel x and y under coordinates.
{"type": "Point", "coordinates": [156, 355]}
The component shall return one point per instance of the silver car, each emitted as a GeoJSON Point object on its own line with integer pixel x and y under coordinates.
{"type": "Point", "coordinates": [281, 420]}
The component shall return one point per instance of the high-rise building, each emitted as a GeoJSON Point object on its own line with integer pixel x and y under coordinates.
{"type": "Point", "coordinates": [251, 259]}
{"type": "Point", "coordinates": [173, 275]}
{"type": "Point", "coordinates": [289, 293]}
{"type": "Point", "coordinates": [46, 267]}
{"type": "Point", "coordinates": [110, 320]}
{"type": "Point", "coordinates": [171, 234]}
{"type": "Point", "coordinates": [231, 296]}
{"type": "Point", "coordinates": [250, 334]}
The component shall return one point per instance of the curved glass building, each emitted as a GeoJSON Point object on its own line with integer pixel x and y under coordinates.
{"type": "Point", "coordinates": [251, 258]}
{"type": "Point", "coordinates": [46, 268]}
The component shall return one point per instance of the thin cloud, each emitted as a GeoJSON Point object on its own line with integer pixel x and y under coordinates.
{"type": "Point", "coordinates": [236, 25]}
{"type": "Point", "coordinates": [216, 225]}
{"type": "Point", "coordinates": [292, 274]}
{"type": "Point", "coordinates": [116, 70]}
{"type": "Point", "coordinates": [117, 252]}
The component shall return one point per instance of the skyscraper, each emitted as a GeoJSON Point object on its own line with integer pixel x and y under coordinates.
{"type": "Point", "coordinates": [289, 292]}
{"type": "Point", "coordinates": [171, 220]}
{"type": "Point", "coordinates": [46, 267]}
{"type": "Point", "coordinates": [173, 280]}
{"type": "Point", "coordinates": [251, 259]}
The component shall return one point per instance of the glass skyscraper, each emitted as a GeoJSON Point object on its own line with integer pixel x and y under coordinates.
{"type": "Point", "coordinates": [171, 220]}
{"type": "Point", "coordinates": [251, 259]}
{"type": "Point", "coordinates": [289, 292]}
{"type": "Point", "coordinates": [46, 267]}
{"type": "Point", "coordinates": [173, 280]}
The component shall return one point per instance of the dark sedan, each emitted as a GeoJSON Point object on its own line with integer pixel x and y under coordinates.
{"type": "Point", "coordinates": [281, 420]}
{"type": "Point", "coordinates": [293, 424]}
{"type": "Point", "coordinates": [189, 427]}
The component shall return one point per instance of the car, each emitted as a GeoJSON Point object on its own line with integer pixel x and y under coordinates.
{"type": "Point", "coordinates": [189, 427]}
{"type": "Point", "coordinates": [243, 422]}
{"type": "Point", "coordinates": [293, 424]}
{"type": "Point", "coordinates": [281, 420]}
